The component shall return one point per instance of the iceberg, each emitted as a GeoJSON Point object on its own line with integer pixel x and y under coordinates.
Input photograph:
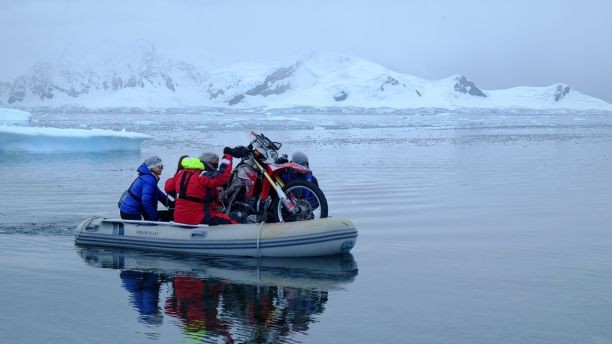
{"type": "Point", "coordinates": [56, 140]}
{"type": "Point", "coordinates": [14, 115]}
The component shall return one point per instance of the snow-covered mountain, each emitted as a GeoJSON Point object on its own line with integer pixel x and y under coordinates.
{"type": "Point", "coordinates": [141, 79]}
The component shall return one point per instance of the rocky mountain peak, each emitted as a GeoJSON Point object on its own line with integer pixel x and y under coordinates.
{"type": "Point", "coordinates": [465, 86]}
{"type": "Point", "coordinates": [75, 74]}
{"type": "Point", "coordinates": [561, 91]}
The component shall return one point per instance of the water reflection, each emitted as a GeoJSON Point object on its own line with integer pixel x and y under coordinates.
{"type": "Point", "coordinates": [144, 293]}
{"type": "Point", "coordinates": [227, 299]}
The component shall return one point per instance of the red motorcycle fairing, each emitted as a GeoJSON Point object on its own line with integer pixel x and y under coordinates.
{"type": "Point", "coordinates": [275, 169]}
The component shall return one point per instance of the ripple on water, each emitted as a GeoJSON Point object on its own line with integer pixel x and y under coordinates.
{"type": "Point", "coordinates": [36, 228]}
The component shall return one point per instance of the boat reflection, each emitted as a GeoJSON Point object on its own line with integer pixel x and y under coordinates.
{"type": "Point", "coordinates": [227, 299]}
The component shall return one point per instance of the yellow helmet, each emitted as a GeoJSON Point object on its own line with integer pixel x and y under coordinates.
{"type": "Point", "coordinates": [192, 163]}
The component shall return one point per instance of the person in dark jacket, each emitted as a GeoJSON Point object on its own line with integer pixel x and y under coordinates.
{"type": "Point", "coordinates": [289, 176]}
{"type": "Point", "coordinates": [211, 164]}
{"type": "Point", "coordinates": [211, 170]}
{"type": "Point", "coordinates": [210, 161]}
{"type": "Point", "coordinates": [300, 159]}
{"type": "Point", "coordinates": [140, 199]}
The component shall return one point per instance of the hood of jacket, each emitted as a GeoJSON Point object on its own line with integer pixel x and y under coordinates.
{"type": "Point", "coordinates": [144, 170]}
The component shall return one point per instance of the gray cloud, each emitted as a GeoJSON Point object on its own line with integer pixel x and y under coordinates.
{"type": "Point", "coordinates": [498, 44]}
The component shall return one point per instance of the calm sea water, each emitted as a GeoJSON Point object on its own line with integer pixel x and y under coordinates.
{"type": "Point", "coordinates": [472, 229]}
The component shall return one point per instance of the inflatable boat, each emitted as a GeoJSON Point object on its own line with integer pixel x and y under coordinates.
{"type": "Point", "coordinates": [320, 237]}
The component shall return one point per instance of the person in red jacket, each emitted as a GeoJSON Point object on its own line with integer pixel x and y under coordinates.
{"type": "Point", "coordinates": [194, 190]}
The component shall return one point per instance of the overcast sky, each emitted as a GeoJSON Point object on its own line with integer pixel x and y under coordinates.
{"type": "Point", "coordinates": [498, 44]}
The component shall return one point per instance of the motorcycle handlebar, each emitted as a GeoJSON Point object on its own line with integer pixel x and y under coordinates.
{"type": "Point", "coordinates": [266, 142]}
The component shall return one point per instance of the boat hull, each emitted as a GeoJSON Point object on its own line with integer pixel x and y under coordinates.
{"type": "Point", "coordinates": [320, 237]}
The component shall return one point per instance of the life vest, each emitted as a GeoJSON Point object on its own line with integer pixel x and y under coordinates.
{"type": "Point", "coordinates": [182, 194]}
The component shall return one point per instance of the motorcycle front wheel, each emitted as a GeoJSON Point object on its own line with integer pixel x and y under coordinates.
{"type": "Point", "coordinates": [306, 196]}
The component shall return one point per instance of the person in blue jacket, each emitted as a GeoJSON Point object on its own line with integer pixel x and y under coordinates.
{"type": "Point", "coordinates": [289, 175]}
{"type": "Point", "coordinates": [300, 159]}
{"type": "Point", "coordinates": [140, 199]}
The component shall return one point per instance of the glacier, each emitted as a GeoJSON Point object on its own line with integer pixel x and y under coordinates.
{"type": "Point", "coordinates": [141, 80]}
{"type": "Point", "coordinates": [58, 140]}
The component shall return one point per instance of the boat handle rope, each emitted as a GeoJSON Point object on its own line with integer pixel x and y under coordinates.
{"type": "Point", "coordinates": [258, 238]}
{"type": "Point", "coordinates": [80, 228]}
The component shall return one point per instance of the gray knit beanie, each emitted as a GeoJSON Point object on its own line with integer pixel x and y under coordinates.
{"type": "Point", "coordinates": [153, 161]}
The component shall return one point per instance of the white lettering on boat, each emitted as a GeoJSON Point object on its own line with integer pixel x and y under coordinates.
{"type": "Point", "coordinates": [145, 232]}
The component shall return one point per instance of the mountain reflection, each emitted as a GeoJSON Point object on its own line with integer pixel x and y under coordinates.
{"type": "Point", "coordinates": [227, 299]}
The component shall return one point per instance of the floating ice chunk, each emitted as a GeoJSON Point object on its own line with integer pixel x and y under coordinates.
{"type": "Point", "coordinates": [55, 140]}
{"type": "Point", "coordinates": [284, 118]}
{"type": "Point", "coordinates": [14, 115]}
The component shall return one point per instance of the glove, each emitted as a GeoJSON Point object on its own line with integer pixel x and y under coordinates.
{"type": "Point", "coordinates": [240, 152]}
{"type": "Point", "coordinates": [227, 150]}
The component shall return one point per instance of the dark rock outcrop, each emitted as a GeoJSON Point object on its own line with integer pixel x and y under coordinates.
{"type": "Point", "coordinates": [561, 91]}
{"type": "Point", "coordinates": [465, 86]}
{"type": "Point", "coordinates": [236, 99]}
{"type": "Point", "coordinates": [340, 96]}
{"type": "Point", "coordinates": [169, 83]}
{"type": "Point", "coordinates": [214, 92]}
{"type": "Point", "coordinates": [389, 81]}
{"type": "Point", "coordinates": [17, 94]}
{"type": "Point", "coordinates": [116, 82]}
{"type": "Point", "coordinates": [275, 82]}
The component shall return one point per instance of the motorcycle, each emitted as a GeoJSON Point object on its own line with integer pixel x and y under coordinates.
{"type": "Point", "coordinates": [257, 192]}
